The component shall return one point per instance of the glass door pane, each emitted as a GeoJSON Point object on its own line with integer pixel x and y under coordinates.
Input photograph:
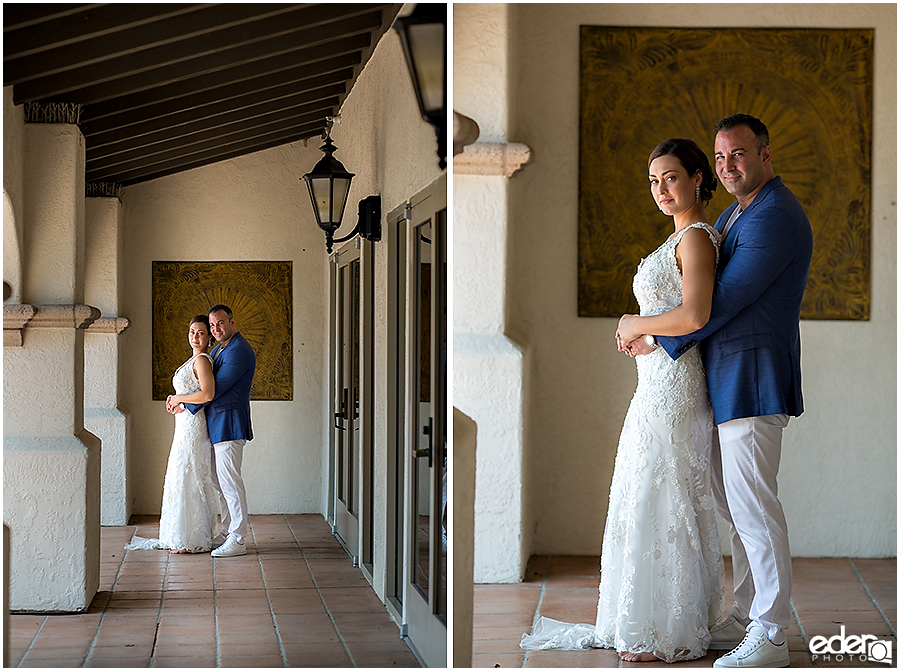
{"type": "Point", "coordinates": [439, 367]}
{"type": "Point", "coordinates": [425, 607]}
{"type": "Point", "coordinates": [424, 462]}
{"type": "Point", "coordinates": [346, 403]}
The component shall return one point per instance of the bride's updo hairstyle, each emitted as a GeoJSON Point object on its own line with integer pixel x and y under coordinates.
{"type": "Point", "coordinates": [692, 158]}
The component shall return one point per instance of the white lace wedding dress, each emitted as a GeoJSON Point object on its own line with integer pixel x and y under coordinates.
{"type": "Point", "coordinates": [188, 520]}
{"type": "Point", "coordinates": [661, 564]}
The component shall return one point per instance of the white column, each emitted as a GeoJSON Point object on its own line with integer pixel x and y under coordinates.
{"type": "Point", "coordinates": [489, 368]}
{"type": "Point", "coordinates": [51, 464]}
{"type": "Point", "coordinates": [102, 416]}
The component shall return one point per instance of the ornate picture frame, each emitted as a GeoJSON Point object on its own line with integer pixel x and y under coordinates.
{"type": "Point", "coordinates": [811, 87]}
{"type": "Point", "coordinates": [260, 296]}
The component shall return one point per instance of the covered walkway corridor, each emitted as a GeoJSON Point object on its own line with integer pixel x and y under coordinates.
{"type": "Point", "coordinates": [295, 600]}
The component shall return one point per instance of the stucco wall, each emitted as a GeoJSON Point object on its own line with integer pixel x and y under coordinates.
{"type": "Point", "coordinates": [838, 478]}
{"type": "Point", "coordinates": [489, 365]}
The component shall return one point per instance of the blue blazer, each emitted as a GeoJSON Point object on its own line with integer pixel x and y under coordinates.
{"type": "Point", "coordinates": [751, 345]}
{"type": "Point", "coordinates": [228, 414]}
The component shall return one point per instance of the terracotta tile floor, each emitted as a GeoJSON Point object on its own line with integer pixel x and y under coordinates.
{"type": "Point", "coordinates": [860, 594]}
{"type": "Point", "coordinates": [293, 600]}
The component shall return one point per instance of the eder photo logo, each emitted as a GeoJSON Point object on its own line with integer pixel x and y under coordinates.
{"type": "Point", "coordinates": [864, 648]}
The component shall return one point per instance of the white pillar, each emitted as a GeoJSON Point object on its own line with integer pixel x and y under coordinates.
{"type": "Point", "coordinates": [51, 464]}
{"type": "Point", "coordinates": [489, 368]}
{"type": "Point", "coordinates": [102, 416]}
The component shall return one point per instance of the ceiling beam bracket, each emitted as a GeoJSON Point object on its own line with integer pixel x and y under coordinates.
{"type": "Point", "coordinates": [52, 113]}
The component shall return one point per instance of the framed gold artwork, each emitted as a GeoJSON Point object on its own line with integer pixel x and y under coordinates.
{"type": "Point", "coordinates": [811, 87]}
{"type": "Point", "coordinates": [259, 294]}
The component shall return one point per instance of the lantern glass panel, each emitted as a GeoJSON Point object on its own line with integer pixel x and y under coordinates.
{"type": "Point", "coordinates": [320, 189]}
{"type": "Point", "coordinates": [426, 44]}
{"type": "Point", "coordinates": [341, 190]}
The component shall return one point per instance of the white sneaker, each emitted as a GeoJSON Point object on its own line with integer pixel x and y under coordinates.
{"type": "Point", "coordinates": [727, 635]}
{"type": "Point", "coordinates": [230, 548]}
{"type": "Point", "coordinates": [756, 651]}
{"type": "Point", "coordinates": [218, 541]}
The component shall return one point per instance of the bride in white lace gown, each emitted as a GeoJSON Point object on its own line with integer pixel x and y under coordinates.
{"type": "Point", "coordinates": [661, 565]}
{"type": "Point", "coordinates": [189, 518]}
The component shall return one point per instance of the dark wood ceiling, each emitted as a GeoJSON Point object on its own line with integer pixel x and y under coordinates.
{"type": "Point", "coordinates": [163, 88]}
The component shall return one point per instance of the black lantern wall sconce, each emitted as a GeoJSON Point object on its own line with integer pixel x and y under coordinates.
{"type": "Point", "coordinates": [329, 186]}
{"type": "Point", "coordinates": [423, 35]}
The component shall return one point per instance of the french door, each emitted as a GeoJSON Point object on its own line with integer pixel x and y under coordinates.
{"type": "Point", "coordinates": [351, 444]}
{"type": "Point", "coordinates": [426, 427]}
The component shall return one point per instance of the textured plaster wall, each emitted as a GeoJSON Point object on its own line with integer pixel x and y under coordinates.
{"type": "Point", "coordinates": [489, 366]}
{"type": "Point", "coordinates": [383, 140]}
{"type": "Point", "coordinates": [54, 184]}
{"type": "Point", "coordinates": [55, 518]}
{"type": "Point", "coordinates": [838, 473]}
{"type": "Point", "coordinates": [51, 469]}
{"type": "Point", "coordinates": [102, 289]}
{"type": "Point", "coordinates": [250, 209]}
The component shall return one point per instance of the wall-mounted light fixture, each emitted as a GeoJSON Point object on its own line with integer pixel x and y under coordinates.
{"type": "Point", "coordinates": [329, 186]}
{"type": "Point", "coordinates": [423, 35]}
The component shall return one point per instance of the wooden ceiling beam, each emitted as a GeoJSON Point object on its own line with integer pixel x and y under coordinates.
{"type": "Point", "coordinates": [288, 107]}
{"type": "Point", "coordinates": [114, 31]}
{"type": "Point", "coordinates": [103, 81]}
{"type": "Point", "coordinates": [220, 151]}
{"type": "Point", "coordinates": [209, 114]}
{"type": "Point", "coordinates": [19, 15]}
{"type": "Point", "coordinates": [169, 87]}
{"type": "Point", "coordinates": [274, 85]}
{"type": "Point", "coordinates": [207, 138]}
{"type": "Point", "coordinates": [156, 172]}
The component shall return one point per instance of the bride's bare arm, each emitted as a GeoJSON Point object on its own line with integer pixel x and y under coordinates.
{"type": "Point", "coordinates": [697, 259]}
{"type": "Point", "coordinates": [204, 372]}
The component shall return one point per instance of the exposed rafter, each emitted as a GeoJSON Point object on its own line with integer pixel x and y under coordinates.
{"type": "Point", "coordinates": [164, 88]}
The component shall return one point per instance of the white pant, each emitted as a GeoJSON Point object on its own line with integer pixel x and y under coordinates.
{"type": "Point", "coordinates": [746, 455]}
{"type": "Point", "coordinates": [227, 480]}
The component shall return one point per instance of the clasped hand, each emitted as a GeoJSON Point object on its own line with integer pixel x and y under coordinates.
{"type": "Point", "coordinates": [173, 406]}
{"type": "Point", "coordinates": [629, 338]}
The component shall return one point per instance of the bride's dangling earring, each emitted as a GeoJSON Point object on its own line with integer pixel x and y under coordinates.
{"type": "Point", "coordinates": [697, 192]}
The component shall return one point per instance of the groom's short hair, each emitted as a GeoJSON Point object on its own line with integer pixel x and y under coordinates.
{"type": "Point", "coordinates": [224, 308]}
{"type": "Point", "coordinates": [758, 127]}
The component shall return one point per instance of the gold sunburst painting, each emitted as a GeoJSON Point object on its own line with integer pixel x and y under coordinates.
{"type": "Point", "coordinates": [259, 294]}
{"type": "Point", "coordinates": [640, 86]}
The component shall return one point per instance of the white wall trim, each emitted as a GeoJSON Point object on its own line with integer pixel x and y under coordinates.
{"type": "Point", "coordinates": [492, 158]}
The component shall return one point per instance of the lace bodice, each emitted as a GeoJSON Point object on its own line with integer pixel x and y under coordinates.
{"type": "Point", "coordinates": [668, 386]}
{"type": "Point", "coordinates": [657, 282]}
{"type": "Point", "coordinates": [184, 380]}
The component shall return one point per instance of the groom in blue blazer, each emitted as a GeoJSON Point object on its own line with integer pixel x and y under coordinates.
{"type": "Point", "coordinates": [751, 349]}
{"type": "Point", "coordinates": [228, 421]}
